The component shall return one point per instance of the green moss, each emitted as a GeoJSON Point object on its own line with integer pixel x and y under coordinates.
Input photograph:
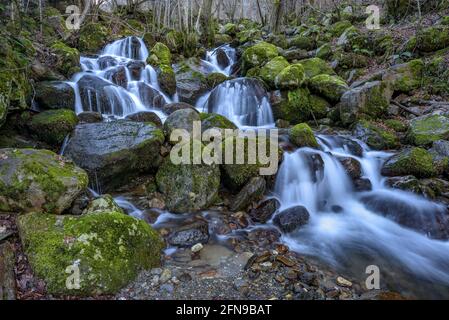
{"type": "Point", "coordinates": [376, 136]}
{"type": "Point", "coordinates": [433, 38]}
{"type": "Point", "coordinates": [68, 58]}
{"type": "Point", "coordinates": [316, 66]}
{"type": "Point", "coordinates": [160, 55]}
{"type": "Point", "coordinates": [339, 27]}
{"type": "Point", "coordinates": [416, 161]}
{"type": "Point", "coordinates": [330, 87]}
{"type": "Point", "coordinates": [269, 72]}
{"type": "Point", "coordinates": [299, 106]}
{"type": "Point", "coordinates": [407, 77]}
{"type": "Point", "coordinates": [93, 36]}
{"type": "Point", "coordinates": [215, 78]}
{"type": "Point", "coordinates": [324, 51]}
{"type": "Point", "coordinates": [423, 131]}
{"type": "Point", "coordinates": [53, 126]}
{"type": "Point", "coordinates": [230, 29]}
{"type": "Point", "coordinates": [303, 42]}
{"type": "Point", "coordinates": [302, 136]}
{"type": "Point", "coordinates": [249, 35]}
{"type": "Point", "coordinates": [290, 77]}
{"type": "Point", "coordinates": [258, 55]}
{"type": "Point", "coordinates": [38, 180]}
{"type": "Point", "coordinates": [167, 79]}
{"type": "Point", "coordinates": [213, 120]}
{"type": "Point", "coordinates": [396, 125]}
{"type": "Point", "coordinates": [108, 248]}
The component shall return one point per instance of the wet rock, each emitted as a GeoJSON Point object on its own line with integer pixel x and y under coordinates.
{"type": "Point", "coordinates": [372, 99]}
{"type": "Point", "coordinates": [80, 204]}
{"type": "Point", "coordinates": [431, 219]}
{"type": "Point", "coordinates": [352, 166]}
{"type": "Point", "coordinates": [135, 68]}
{"type": "Point", "coordinates": [90, 117]}
{"type": "Point", "coordinates": [167, 79]}
{"type": "Point", "coordinates": [96, 95]}
{"type": "Point", "coordinates": [423, 131]}
{"type": "Point", "coordinates": [190, 85]}
{"type": "Point", "coordinates": [188, 187]}
{"type": "Point", "coordinates": [172, 107]}
{"type": "Point", "coordinates": [222, 58]}
{"type": "Point", "coordinates": [151, 98]}
{"type": "Point", "coordinates": [292, 219]}
{"type": "Point", "coordinates": [109, 248]}
{"type": "Point", "coordinates": [117, 76]}
{"type": "Point", "coordinates": [258, 55]}
{"type": "Point", "coordinates": [265, 210]}
{"type": "Point", "coordinates": [106, 62]}
{"type": "Point", "coordinates": [214, 120]}
{"type": "Point", "coordinates": [145, 116]}
{"type": "Point", "coordinates": [376, 136]}
{"type": "Point", "coordinates": [189, 235]}
{"type": "Point", "coordinates": [251, 192]}
{"type": "Point", "coordinates": [302, 136]}
{"type": "Point", "coordinates": [329, 87]}
{"type": "Point", "coordinates": [39, 181]}
{"type": "Point", "coordinates": [182, 120]}
{"type": "Point", "coordinates": [362, 184]}
{"type": "Point", "coordinates": [53, 126]}
{"type": "Point", "coordinates": [412, 161]}
{"type": "Point", "coordinates": [105, 203]}
{"type": "Point", "coordinates": [111, 152]}
{"type": "Point", "coordinates": [55, 95]}
{"type": "Point", "coordinates": [347, 144]}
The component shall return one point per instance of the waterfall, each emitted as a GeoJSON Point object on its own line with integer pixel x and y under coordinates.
{"type": "Point", "coordinates": [356, 228]}
{"type": "Point", "coordinates": [117, 83]}
{"type": "Point", "coordinates": [243, 101]}
{"type": "Point", "coordinates": [222, 59]}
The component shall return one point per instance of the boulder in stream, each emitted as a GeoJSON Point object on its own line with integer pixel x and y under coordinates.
{"type": "Point", "coordinates": [252, 191]}
{"type": "Point", "coordinates": [292, 219]}
{"type": "Point", "coordinates": [265, 210]}
{"type": "Point", "coordinates": [111, 152]}
{"type": "Point", "coordinates": [55, 95]}
{"type": "Point", "coordinates": [189, 235]}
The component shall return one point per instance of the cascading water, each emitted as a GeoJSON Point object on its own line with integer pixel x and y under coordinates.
{"type": "Point", "coordinates": [118, 83]}
{"type": "Point", "coordinates": [244, 101]}
{"type": "Point", "coordinates": [221, 59]}
{"type": "Point", "coordinates": [343, 230]}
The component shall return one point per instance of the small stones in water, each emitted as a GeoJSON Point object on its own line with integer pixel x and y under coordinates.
{"type": "Point", "coordinates": [197, 248]}
{"type": "Point", "coordinates": [156, 203]}
{"type": "Point", "coordinates": [266, 266]}
{"type": "Point", "coordinates": [286, 261]}
{"type": "Point", "coordinates": [343, 282]}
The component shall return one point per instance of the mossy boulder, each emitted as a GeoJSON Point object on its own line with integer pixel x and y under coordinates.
{"type": "Point", "coordinates": [376, 135]}
{"type": "Point", "coordinates": [245, 164]}
{"type": "Point", "coordinates": [370, 100]}
{"type": "Point", "coordinates": [214, 120]}
{"type": "Point", "coordinates": [316, 66]}
{"type": "Point", "coordinates": [53, 126]}
{"type": "Point", "coordinates": [249, 35]}
{"type": "Point", "coordinates": [104, 203]}
{"type": "Point", "coordinates": [183, 119]}
{"type": "Point", "coordinates": [290, 77]}
{"type": "Point", "coordinates": [302, 136]}
{"type": "Point", "coordinates": [339, 27]}
{"type": "Point", "coordinates": [413, 161]}
{"type": "Point", "coordinates": [259, 54]}
{"type": "Point", "coordinates": [269, 72]}
{"type": "Point", "coordinates": [54, 95]}
{"type": "Point", "coordinates": [38, 180]}
{"type": "Point", "coordinates": [93, 37]}
{"type": "Point", "coordinates": [106, 250]}
{"type": "Point", "coordinates": [350, 60]}
{"type": "Point", "coordinates": [167, 79]}
{"type": "Point", "coordinates": [396, 125]}
{"type": "Point", "coordinates": [433, 38]}
{"type": "Point", "coordinates": [68, 58]}
{"type": "Point", "coordinates": [302, 42]}
{"type": "Point", "coordinates": [215, 78]}
{"type": "Point", "coordinates": [405, 77]}
{"type": "Point", "coordinates": [188, 187]}
{"type": "Point", "coordinates": [160, 55]}
{"type": "Point", "coordinates": [329, 87]}
{"type": "Point", "coordinates": [324, 52]}
{"type": "Point", "coordinates": [230, 29]}
{"type": "Point", "coordinates": [424, 130]}
{"type": "Point", "coordinates": [300, 105]}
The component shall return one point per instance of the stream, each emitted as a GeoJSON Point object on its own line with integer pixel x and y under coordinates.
{"type": "Point", "coordinates": [347, 230]}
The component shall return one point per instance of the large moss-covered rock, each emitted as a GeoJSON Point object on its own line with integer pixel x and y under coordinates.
{"type": "Point", "coordinates": [54, 95]}
{"type": "Point", "coordinates": [112, 152]}
{"type": "Point", "coordinates": [68, 58]}
{"type": "Point", "coordinates": [324, 51]}
{"type": "Point", "coordinates": [433, 38]}
{"type": "Point", "coordinates": [53, 126]}
{"type": "Point", "coordinates": [259, 54]}
{"type": "Point", "coordinates": [214, 120]}
{"type": "Point", "coordinates": [405, 77]}
{"type": "Point", "coordinates": [182, 119]}
{"type": "Point", "coordinates": [160, 55]}
{"type": "Point", "coordinates": [106, 250]}
{"type": "Point", "coordinates": [167, 79]}
{"type": "Point", "coordinates": [236, 175]}
{"type": "Point", "coordinates": [188, 187]}
{"type": "Point", "coordinates": [247, 35]}
{"type": "Point", "coordinates": [316, 66]}
{"type": "Point", "coordinates": [375, 135]}
{"type": "Point", "coordinates": [300, 105]}
{"type": "Point", "coordinates": [269, 72]}
{"type": "Point", "coordinates": [192, 80]}
{"type": "Point", "coordinates": [423, 131]}
{"type": "Point", "coordinates": [369, 100]}
{"type": "Point", "coordinates": [104, 203]}
{"type": "Point", "coordinates": [302, 136]}
{"type": "Point", "coordinates": [290, 77]}
{"type": "Point", "coordinates": [329, 87]}
{"type": "Point", "coordinates": [302, 42]}
{"type": "Point", "coordinates": [93, 37]}
{"type": "Point", "coordinates": [339, 27]}
{"type": "Point", "coordinates": [414, 161]}
{"type": "Point", "coordinates": [38, 180]}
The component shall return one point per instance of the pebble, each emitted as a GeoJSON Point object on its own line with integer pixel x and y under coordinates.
{"type": "Point", "coordinates": [343, 282]}
{"type": "Point", "coordinates": [197, 248]}
{"type": "Point", "coordinates": [265, 266]}
{"type": "Point", "coordinates": [165, 276]}
{"type": "Point", "coordinates": [156, 271]}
